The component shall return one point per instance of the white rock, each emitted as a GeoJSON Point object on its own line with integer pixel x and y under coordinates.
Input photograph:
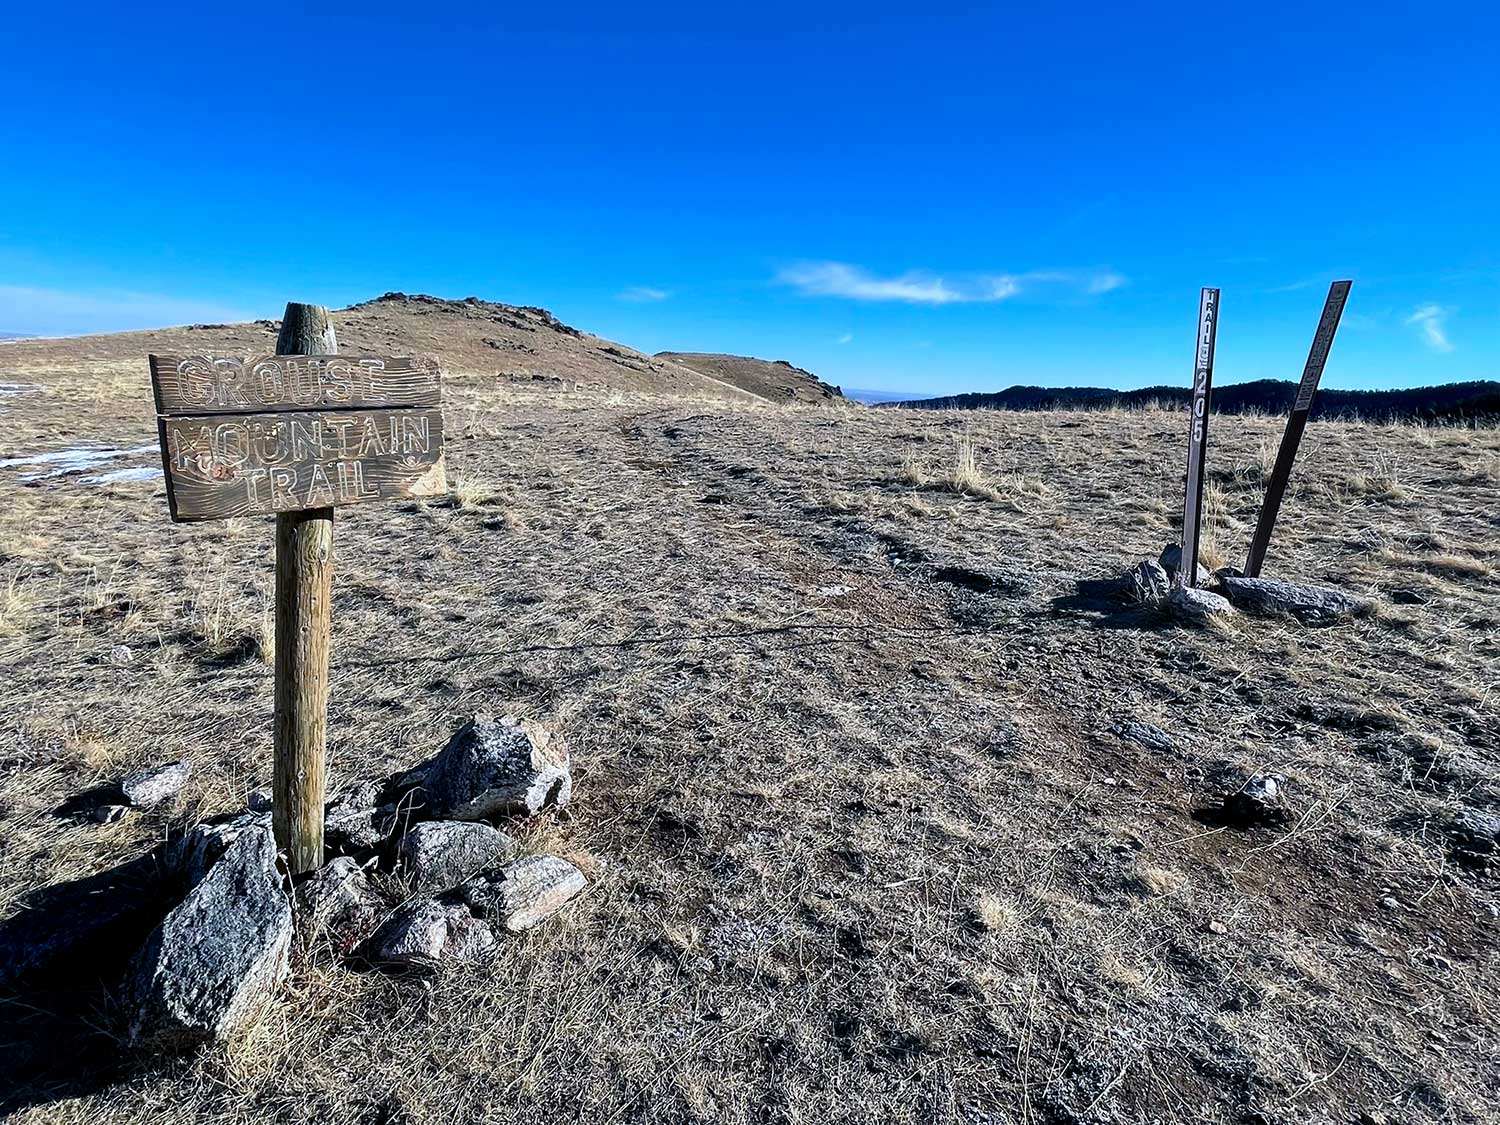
{"type": "Point", "coordinates": [524, 893]}
{"type": "Point", "coordinates": [147, 788]}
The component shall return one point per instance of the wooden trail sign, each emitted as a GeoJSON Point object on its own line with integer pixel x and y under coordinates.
{"type": "Point", "coordinates": [297, 434]}
{"type": "Point", "coordinates": [289, 433]}
{"type": "Point", "coordinates": [1203, 377]}
{"type": "Point", "coordinates": [1296, 423]}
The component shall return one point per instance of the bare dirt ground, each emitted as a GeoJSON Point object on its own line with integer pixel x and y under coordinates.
{"type": "Point", "coordinates": [869, 835]}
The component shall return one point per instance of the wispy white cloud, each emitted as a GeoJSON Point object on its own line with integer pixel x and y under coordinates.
{"type": "Point", "coordinates": [923, 287]}
{"type": "Point", "coordinates": [1102, 281]}
{"type": "Point", "coordinates": [1430, 321]}
{"type": "Point", "coordinates": [846, 338]}
{"type": "Point", "coordinates": [640, 294]}
{"type": "Point", "coordinates": [58, 312]}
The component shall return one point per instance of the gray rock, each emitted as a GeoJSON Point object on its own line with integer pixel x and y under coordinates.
{"type": "Point", "coordinates": [1260, 802]}
{"type": "Point", "coordinates": [1171, 562]}
{"type": "Point", "coordinates": [337, 907]}
{"type": "Point", "coordinates": [191, 857]}
{"type": "Point", "coordinates": [526, 892]}
{"type": "Point", "coordinates": [216, 959]}
{"type": "Point", "coordinates": [497, 767]}
{"type": "Point", "coordinates": [429, 932]}
{"type": "Point", "coordinates": [121, 656]}
{"type": "Point", "coordinates": [1144, 734]}
{"type": "Point", "coordinates": [1147, 583]}
{"type": "Point", "coordinates": [349, 828]}
{"type": "Point", "coordinates": [258, 800]}
{"type": "Point", "coordinates": [147, 788]}
{"type": "Point", "coordinates": [440, 854]}
{"type": "Point", "coordinates": [1311, 605]}
{"type": "Point", "coordinates": [1198, 607]}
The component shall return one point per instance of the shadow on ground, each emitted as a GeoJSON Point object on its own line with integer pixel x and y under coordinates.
{"type": "Point", "coordinates": [63, 963]}
{"type": "Point", "coordinates": [1100, 601]}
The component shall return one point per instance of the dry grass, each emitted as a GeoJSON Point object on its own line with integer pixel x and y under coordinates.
{"type": "Point", "coordinates": [841, 793]}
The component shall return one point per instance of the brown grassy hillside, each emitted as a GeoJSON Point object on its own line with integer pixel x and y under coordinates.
{"type": "Point", "coordinates": [773, 379]}
{"type": "Point", "coordinates": [473, 337]}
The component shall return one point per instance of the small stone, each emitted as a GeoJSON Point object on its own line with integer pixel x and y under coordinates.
{"type": "Point", "coordinates": [525, 893]}
{"type": "Point", "coordinates": [429, 932]}
{"type": "Point", "coordinates": [1390, 902]}
{"type": "Point", "coordinates": [121, 656]}
{"type": "Point", "coordinates": [258, 800]}
{"type": "Point", "coordinates": [1217, 927]}
{"type": "Point", "coordinates": [498, 767]}
{"type": "Point", "coordinates": [108, 814]}
{"type": "Point", "coordinates": [217, 957]}
{"type": "Point", "coordinates": [1260, 802]}
{"type": "Point", "coordinates": [148, 788]}
{"type": "Point", "coordinates": [336, 905]}
{"type": "Point", "coordinates": [1198, 607]}
{"type": "Point", "coordinates": [1311, 605]}
{"type": "Point", "coordinates": [1147, 583]}
{"type": "Point", "coordinates": [1144, 734]}
{"type": "Point", "coordinates": [1171, 561]}
{"type": "Point", "coordinates": [440, 854]}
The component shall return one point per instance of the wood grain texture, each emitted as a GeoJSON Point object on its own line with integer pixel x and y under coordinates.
{"type": "Point", "coordinates": [304, 620]}
{"type": "Point", "coordinates": [213, 384]}
{"type": "Point", "coordinates": [304, 630]}
{"type": "Point", "coordinates": [223, 465]}
{"type": "Point", "coordinates": [306, 330]}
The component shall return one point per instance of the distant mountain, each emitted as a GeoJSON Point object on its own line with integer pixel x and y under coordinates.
{"type": "Point", "coordinates": [16, 336]}
{"type": "Point", "coordinates": [1450, 402]}
{"type": "Point", "coordinates": [775, 379]}
{"type": "Point", "coordinates": [873, 397]}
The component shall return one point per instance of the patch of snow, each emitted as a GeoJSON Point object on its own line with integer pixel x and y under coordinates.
{"type": "Point", "coordinates": [116, 476]}
{"type": "Point", "coordinates": [64, 462]}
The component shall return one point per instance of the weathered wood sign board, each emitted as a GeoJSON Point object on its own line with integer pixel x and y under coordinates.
{"type": "Point", "coordinates": [288, 433]}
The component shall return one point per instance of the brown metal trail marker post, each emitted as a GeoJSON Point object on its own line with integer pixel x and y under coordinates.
{"type": "Point", "coordinates": [1328, 324]}
{"type": "Point", "coordinates": [296, 435]}
{"type": "Point", "coordinates": [1203, 377]}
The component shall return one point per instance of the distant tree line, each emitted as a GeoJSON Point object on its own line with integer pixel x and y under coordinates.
{"type": "Point", "coordinates": [1477, 401]}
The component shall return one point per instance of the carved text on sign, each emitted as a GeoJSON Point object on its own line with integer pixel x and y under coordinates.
{"type": "Point", "coordinates": [289, 433]}
{"type": "Point", "coordinates": [214, 384]}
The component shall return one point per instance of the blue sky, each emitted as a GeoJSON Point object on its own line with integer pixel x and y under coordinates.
{"type": "Point", "coordinates": [935, 198]}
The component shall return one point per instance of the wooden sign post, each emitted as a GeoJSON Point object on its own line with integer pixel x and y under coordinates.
{"type": "Point", "coordinates": [296, 435]}
{"type": "Point", "coordinates": [1203, 377]}
{"type": "Point", "coordinates": [1312, 374]}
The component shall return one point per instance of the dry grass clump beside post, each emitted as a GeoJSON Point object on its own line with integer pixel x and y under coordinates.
{"type": "Point", "coordinates": [966, 477]}
{"type": "Point", "coordinates": [468, 490]}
